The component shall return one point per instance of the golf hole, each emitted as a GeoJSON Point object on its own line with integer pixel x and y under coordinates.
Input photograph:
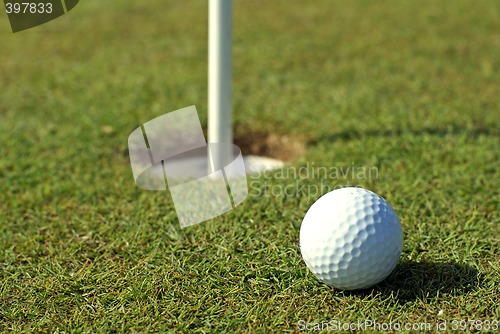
{"type": "Point", "coordinates": [254, 142]}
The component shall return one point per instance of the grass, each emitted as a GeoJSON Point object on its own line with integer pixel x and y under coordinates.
{"type": "Point", "coordinates": [410, 89]}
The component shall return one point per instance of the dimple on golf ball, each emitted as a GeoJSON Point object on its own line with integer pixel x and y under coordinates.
{"type": "Point", "coordinates": [351, 238]}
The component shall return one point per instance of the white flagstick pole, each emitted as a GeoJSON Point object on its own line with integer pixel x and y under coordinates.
{"type": "Point", "coordinates": [219, 80]}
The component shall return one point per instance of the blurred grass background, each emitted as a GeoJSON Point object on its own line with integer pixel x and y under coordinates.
{"type": "Point", "coordinates": [409, 87]}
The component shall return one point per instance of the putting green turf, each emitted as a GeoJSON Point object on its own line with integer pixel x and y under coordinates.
{"type": "Point", "coordinates": [408, 90]}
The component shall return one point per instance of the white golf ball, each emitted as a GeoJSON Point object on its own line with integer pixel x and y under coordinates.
{"type": "Point", "coordinates": [351, 238]}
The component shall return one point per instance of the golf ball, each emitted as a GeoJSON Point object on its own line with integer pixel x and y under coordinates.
{"type": "Point", "coordinates": [351, 238]}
